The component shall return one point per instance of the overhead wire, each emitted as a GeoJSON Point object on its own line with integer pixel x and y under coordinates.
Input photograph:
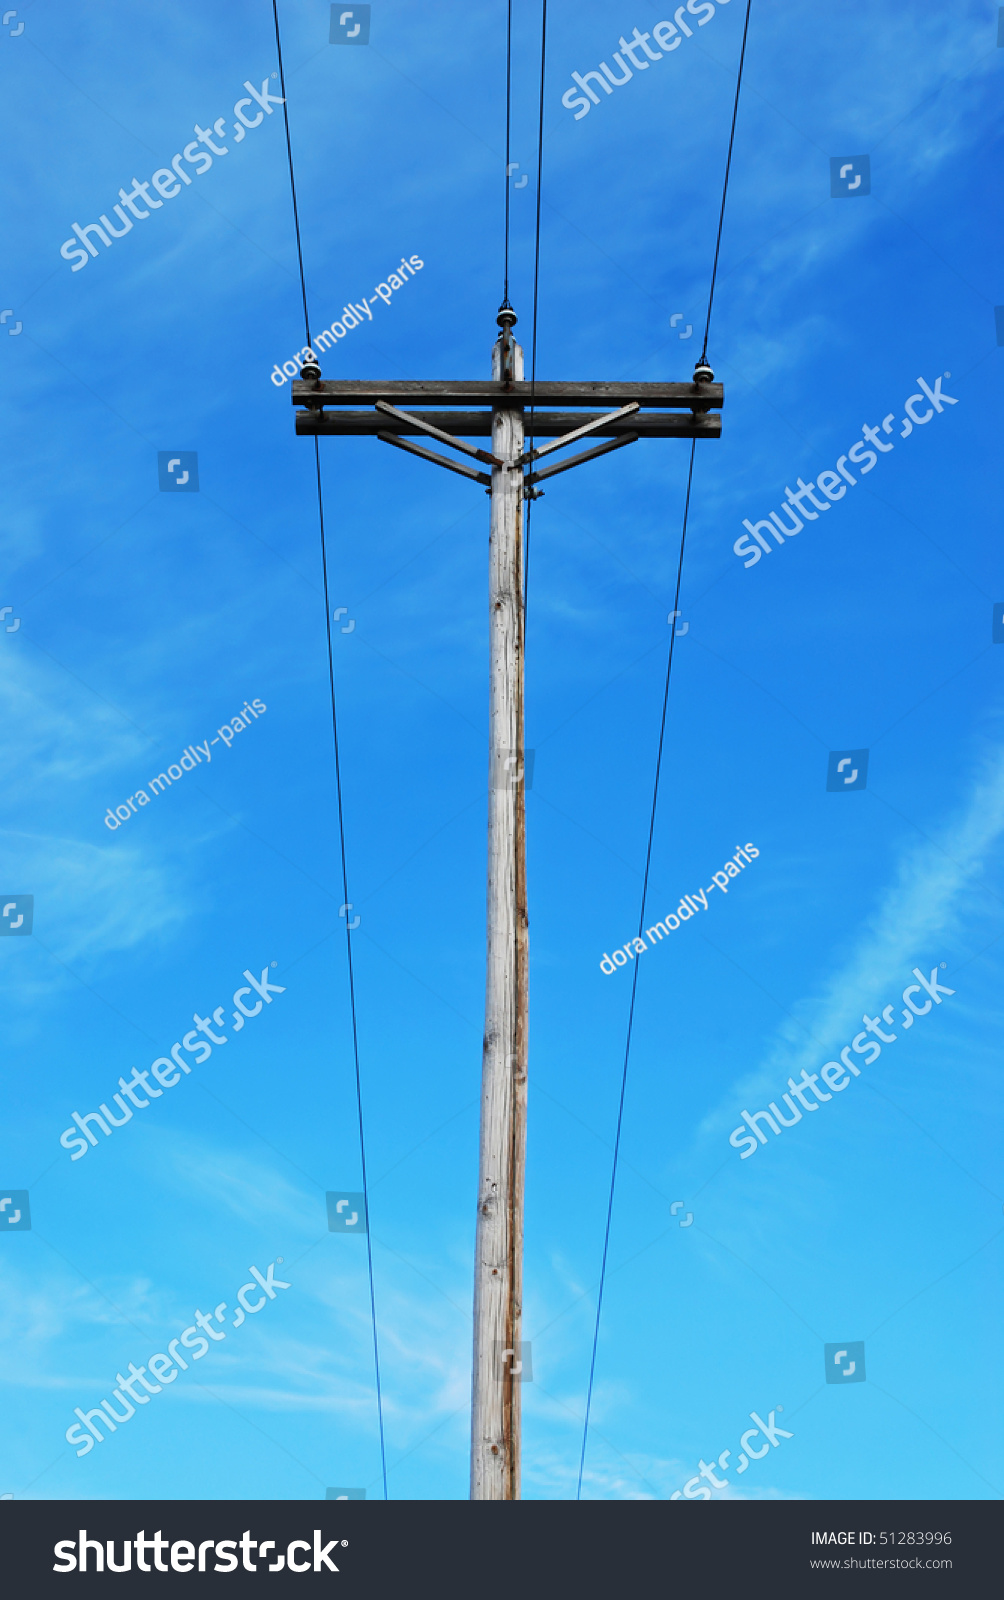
{"type": "Point", "coordinates": [536, 283]}
{"type": "Point", "coordinates": [725, 185]}
{"type": "Point", "coordinates": [338, 789]}
{"type": "Point", "coordinates": [634, 980]}
{"type": "Point", "coordinates": [655, 804]}
{"type": "Point", "coordinates": [508, 126]}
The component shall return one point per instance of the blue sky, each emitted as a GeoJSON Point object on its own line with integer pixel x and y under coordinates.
{"type": "Point", "coordinates": [148, 619]}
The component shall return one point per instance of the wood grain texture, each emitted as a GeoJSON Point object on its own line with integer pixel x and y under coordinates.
{"type": "Point", "coordinates": [498, 1280]}
{"type": "Point", "coordinates": [463, 392]}
{"type": "Point", "coordinates": [546, 424]}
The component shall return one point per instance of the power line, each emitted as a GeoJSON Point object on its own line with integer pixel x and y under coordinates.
{"type": "Point", "coordinates": [508, 123]}
{"type": "Point", "coordinates": [338, 788]}
{"type": "Point", "coordinates": [725, 186]}
{"type": "Point", "coordinates": [536, 280]}
{"type": "Point", "coordinates": [634, 980]}
{"type": "Point", "coordinates": [655, 798]}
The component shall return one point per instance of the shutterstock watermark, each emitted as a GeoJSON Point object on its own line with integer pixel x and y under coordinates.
{"type": "Point", "coordinates": [164, 1366]}
{"type": "Point", "coordinates": [191, 756]}
{"type": "Point", "coordinates": [167, 1069]}
{"type": "Point", "coordinates": [637, 50]}
{"type": "Point", "coordinates": [72, 1554]}
{"type": "Point", "coordinates": [688, 907]}
{"type": "Point", "coordinates": [835, 1074]}
{"type": "Point", "coordinates": [351, 316]}
{"type": "Point", "coordinates": [770, 1432]}
{"type": "Point", "coordinates": [168, 180]}
{"type": "Point", "coordinates": [834, 485]}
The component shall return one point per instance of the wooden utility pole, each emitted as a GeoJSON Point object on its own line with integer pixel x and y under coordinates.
{"type": "Point", "coordinates": [498, 1270]}
{"type": "Point", "coordinates": [498, 1251]}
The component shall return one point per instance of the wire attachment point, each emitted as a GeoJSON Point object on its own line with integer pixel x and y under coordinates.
{"type": "Point", "coordinates": [702, 374]}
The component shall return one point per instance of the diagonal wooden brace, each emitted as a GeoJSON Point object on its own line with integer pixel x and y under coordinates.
{"type": "Point", "coordinates": [576, 433]}
{"type": "Point", "coordinates": [441, 461]}
{"type": "Point", "coordinates": [584, 455]}
{"type": "Point", "coordinates": [437, 433]}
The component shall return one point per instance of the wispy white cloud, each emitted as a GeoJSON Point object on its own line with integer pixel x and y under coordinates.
{"type": "Point", "coordinates": [241, 1186]}
{"type": "Point", "coordinates": [64, 736]}
{"type": "Point", "coordinates": [919, 913]}
{"type": "Point", "coordinates": [95, 895]}
{"type": "Point", "coordinates": [91, 899]}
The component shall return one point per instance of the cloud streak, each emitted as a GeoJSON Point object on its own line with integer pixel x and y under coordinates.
{"type": "Point", "coordinates": [924, 904]}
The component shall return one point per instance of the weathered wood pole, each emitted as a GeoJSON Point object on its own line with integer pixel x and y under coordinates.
{"type": "Point", "coordinates": [498, 1272]}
